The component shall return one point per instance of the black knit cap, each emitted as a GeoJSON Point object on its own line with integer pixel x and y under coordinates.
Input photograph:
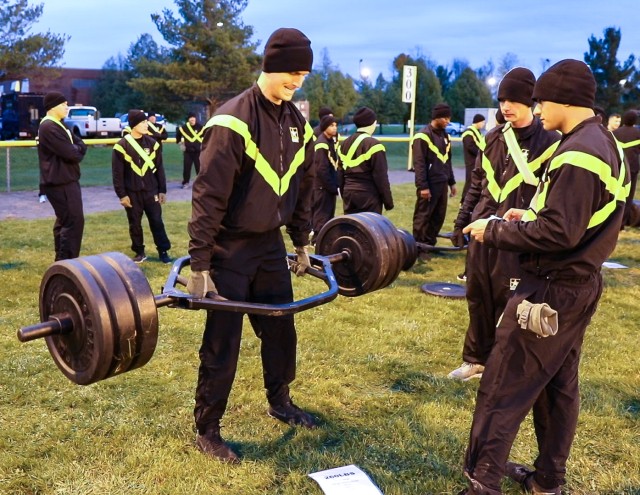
{"type": "Point", "coordinates": [478, 118]}
{"type": "Point", "coordinates": [570, 82]}
{"type": "Point", "coordinates": [191, 114]}
{"type": "Point", "coordinates": [324, 111]}
{"type": "Point", "coordinates": [364, 117]}
{"type": "Point", "coordinates": [440, 110]}
{"type": "Point", "coordinates": [53, 99]}
{"type": "Point", "coordinates": [287, 50]}
{"type": "Point", "coordinates": [326, 121]}
{"type": "Point", "coordinates": [517, 85]}
{"type": "Point", "coordinates": [630, 118]}
{"type": "Point", "coordinates": [135, 117]}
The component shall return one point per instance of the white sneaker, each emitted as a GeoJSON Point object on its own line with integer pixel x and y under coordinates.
{"type": "Point", "coordinates": [467, 371]}
{"type": "Point", "coordinates": [42, 198]}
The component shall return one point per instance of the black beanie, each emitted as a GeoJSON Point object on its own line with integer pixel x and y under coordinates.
{"type": "Point", "coordinates": [53, 99]}
{"type": "Point", "coordinates": [191, 114]}
{"type": "Point", "coordinates": [364, 117]}
{"type": "Point", "coordinates": [440, 110]}
{"type": "Point", "coordinates": [570, 82]}
{"type": "Point", "coordinates": [324, 111]}
{"type": "Point", "coordinates": [135, 117]}
{"type": "Point", "coordinates": [287, 50]}
{"type": "Point", "coordinates": [478, 118]}
{"type": "Point", "coordinates": [326, 121]}
{"type": "Point", "coordinates": [630, 118]}
{"type": "Point", "coordinates": [517, 85]}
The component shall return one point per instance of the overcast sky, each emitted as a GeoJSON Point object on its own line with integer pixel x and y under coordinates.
{"type": "Point", "coordinates": [374, 31]}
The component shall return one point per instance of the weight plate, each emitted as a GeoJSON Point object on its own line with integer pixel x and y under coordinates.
{"type": "Point", "coordinates": [123, 324]}
{"type": "Point", "coordinates": [362, 272]}
{"type": "Point", "coordinates": [396, 251]}
{"type": "Point", "coordinates": [143, 304]}
{"type": "Point", "coordinates": [442, 289]}
{"type": "Point", "coordinates": [84, 354]}
{"type": "Point", "coordinates": [410, 248]}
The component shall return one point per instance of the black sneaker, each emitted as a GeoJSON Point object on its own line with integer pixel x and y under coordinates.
{"type": "Point", "coordinates": [524, 477]}
{"type": "Point", "coordinates": [139, 258]}
{"type": "Point", "coordinates": [292, 415]}
{"type": "Point", "coordinates": [214, 446]}
{"type": "Point", "coordinates": [164, 257]}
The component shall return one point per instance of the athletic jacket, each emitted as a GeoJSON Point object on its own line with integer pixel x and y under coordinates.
{"type": "Point", "coordinates": [325, 165]}
{"type": "Point", "coordinates": [256, 174]}
{"type": "Point", "coordinates": [158, 132]}
{"type": "Point", "coordinates": [472, 144]}
{"type": "Point", "coordinates": [432, 158]}
{"type": "Point", "coordinates": [137, 168]}
{"type": "Point", "coordinates": [629, 138]}
{"type": "Point", "coordinates": [364, 161]}
{"type": "Point", "coordinates": [191, 135]}
{"type": "Point", "coordinates": [573, 224]}
{"type": "Point", "coordinates": [497, 184]}
{"type": "Point", "coordinates": [59, 153]}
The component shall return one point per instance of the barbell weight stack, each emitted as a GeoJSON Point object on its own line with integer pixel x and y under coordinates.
{"type": "Point", "coordinates": [99, 315]}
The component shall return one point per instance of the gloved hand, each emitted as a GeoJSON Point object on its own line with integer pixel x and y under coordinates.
{"type": "Point", "coordinates": [303, 261]}
{"type": "Point", "coordinates": [182, 146]}
{"type": "Point", "coordinates": [201, 285]}
{"type": "Point", "coordinates": [162, 198]}
{"type": "Point", "coordinates": [126, 201]}
{"type": "Point", "coordinates": [541, 319]}
{"type": "Point", "coordinates": [458, 239]}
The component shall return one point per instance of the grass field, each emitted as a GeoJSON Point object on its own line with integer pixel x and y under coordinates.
{"type": "Point", "coordinates": [372, 368]}
{"type": "Point", "coordinates": [96, 166]}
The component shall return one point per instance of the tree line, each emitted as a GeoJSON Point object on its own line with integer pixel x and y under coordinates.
{"type": "Point", "coordinates": [210, 56]}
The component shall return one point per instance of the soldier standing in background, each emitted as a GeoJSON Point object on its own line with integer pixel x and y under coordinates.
{"type": "Point", "coordinates": [189, 138]}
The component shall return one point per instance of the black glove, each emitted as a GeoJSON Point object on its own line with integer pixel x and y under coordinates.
{"type": "Point", "coordinates": [458, 239]}
{"type": "Point", "coordinates": [200, 285]}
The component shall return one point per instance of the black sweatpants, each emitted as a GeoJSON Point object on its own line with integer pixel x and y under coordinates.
{"type": "Point", "coordinates": [323, 209]}
{"type": "Point", "coordinates": [68, 228]}
{"type": "Point", "coordinates": [190, 158]}
{"type": "Point", "coordinates": [147, 203]}
{"type": "Point", "coordinates": [428, 215]}
{"type": "Point", "coordinates": [250, 269]}
{"type": "Point", "coordinates": [492, 275]}
{"type": "Point", "coordinates": [524, 372]}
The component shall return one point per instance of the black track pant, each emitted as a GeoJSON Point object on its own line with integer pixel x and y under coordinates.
{"type": "Point", "coordinates": [525, 372]}
{"type": "Point", "coordinates": [491, 276]}
{"type": "Point", "coordinates": [428, 216]}
{"type": "Point", "coordinates": [324, 208]}
{"type": "Point", "coordinates": [190, 158]}
{"type": "Point", "coordinates": [261, 276]}
{"type": "Point", "coordinates": [69, 225]}
{"type": "Point", "coordinates": [629, 203]}
{"type": "Point", "coordinates": [147, 203]}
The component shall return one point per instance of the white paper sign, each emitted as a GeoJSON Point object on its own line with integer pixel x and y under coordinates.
{"type": "Point", "coordinates": [346, 480]}
{"type": "Point", "coordinates": [613, 264]}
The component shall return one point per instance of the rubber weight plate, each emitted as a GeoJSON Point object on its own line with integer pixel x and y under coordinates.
{"type": "Point", "coordinates": [84, 354]}
{"type": "Point", "coordinates": [367, 250]}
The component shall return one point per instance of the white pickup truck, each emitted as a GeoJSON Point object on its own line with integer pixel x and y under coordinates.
{"type": "Point", "coordinates": [85, 121]}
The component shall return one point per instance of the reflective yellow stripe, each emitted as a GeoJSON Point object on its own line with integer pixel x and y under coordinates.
{"type": "Point", "coordinates": [148, 159]}
{"type": "Point", "coordinates": [630, 143]}
{"type": "Point", "coordinates": [194, 136]}
{"type": "Point", "coordinates": [279, 186]}
{"type": "Point", "coordinates": [155, 129]}
{"type": "Point", "coordinates": [614, 185]}
{"type": "Point", "coordinates": [321, 146]}
{"type": "Point", "coordinates": [476, 135]}
{"type": "Point", "coordinates": [433, 147]}
{"type": "Point", "coordinates": [347, 159]}
{"type": "Point", "coordinates": [492, 184]}
{"type": "Point", "coordinates": [534, 165]}
{"type": "Point", "coordinates": [46, 117]}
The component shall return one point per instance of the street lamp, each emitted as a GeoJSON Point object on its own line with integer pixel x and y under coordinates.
{"type": "Point", "coordinates": [365, 72]}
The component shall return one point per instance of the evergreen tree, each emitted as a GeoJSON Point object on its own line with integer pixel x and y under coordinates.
{"type": "Point", "coordinates": [612, 78]}
{"type": "Point", "coordinates": [211, 58]}
{"type": "Point", "coordinates": [467, 91]}
{"type": "Point", "coordinates": [23, 54]}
